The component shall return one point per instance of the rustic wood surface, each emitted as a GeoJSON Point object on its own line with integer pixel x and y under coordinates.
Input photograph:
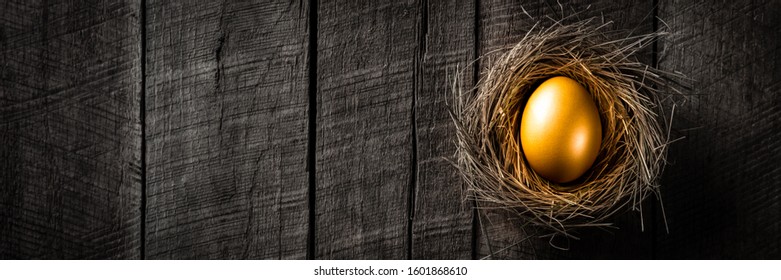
{"type": "Point", "coordinates": [442, 218]}
{"type": "Point", "coordinates": [319, 129]}
{"type": "Point", "coordinates": [365, 76]}
{"type": "Point", "coordinates": [721, 192]}
{"type": "Point", "coordinates": [226, 102]}
{"type": "Point", "coordinates": [70, 172]}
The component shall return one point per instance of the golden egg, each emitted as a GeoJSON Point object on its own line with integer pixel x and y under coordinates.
{"type": "Point", "coordinates": [560, 130]}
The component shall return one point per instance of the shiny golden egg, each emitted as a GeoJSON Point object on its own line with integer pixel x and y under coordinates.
{"type": "Point", "coordinates": [560, 130]}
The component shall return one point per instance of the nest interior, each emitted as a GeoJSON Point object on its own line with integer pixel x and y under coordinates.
{"type": "Point", "coordinates": [634, 144]}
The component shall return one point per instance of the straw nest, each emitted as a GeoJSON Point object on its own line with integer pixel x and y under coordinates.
{"type": "Point", "coordinates": [635, 135]}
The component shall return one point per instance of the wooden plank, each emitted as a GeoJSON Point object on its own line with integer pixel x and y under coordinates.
{"type": "Point", "coordinates": [365, 77]}
{"type": "Point", "coordinates": [721, 192]}
{"type": "Point", "coordinates": [501, 235]}
{"type": "Point", "coordinates": [442, 218]}
{"type": "Point", "coordinates": [70, 130]}
{"type": "Point", "coordinates": [227, 130]}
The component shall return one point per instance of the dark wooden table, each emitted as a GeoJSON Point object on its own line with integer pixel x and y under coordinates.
{"type": "Point", "coordinates": [319, 129]}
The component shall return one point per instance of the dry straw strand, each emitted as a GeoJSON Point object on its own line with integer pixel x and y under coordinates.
{"type": "Point", "coordinates": [633, 151]}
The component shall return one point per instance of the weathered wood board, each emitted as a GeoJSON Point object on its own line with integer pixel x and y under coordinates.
{"type": "Point", "coordinates": [226, 101]}
{"type": "Point", "coordinates": [442, 217]}
{"type": "Point", "coordinates": [70, 172]}
{"type": "Point", "coordinates": [721, 192]}
{"type": "Point", "coordinates": [365, 77]}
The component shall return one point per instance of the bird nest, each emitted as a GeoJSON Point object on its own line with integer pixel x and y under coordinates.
{"type": "Point", "coordinates": [632, 154]}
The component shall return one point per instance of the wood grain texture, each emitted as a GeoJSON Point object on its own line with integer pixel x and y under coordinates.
{"type": "Point", "coordinates": [721, 193]}
{"type": "Point", "coordinates": [503, 235]}
{"type": "Point", "coordinates": [365, 76]}
{"type": "Point", "coordinates": [227, 130]}
{"type": "Point", "coordinates": [226, 106]}
{"type": "Point", "coordinates": [70, 131]}
{"type": "Point", "coordinates": [442, 218]}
